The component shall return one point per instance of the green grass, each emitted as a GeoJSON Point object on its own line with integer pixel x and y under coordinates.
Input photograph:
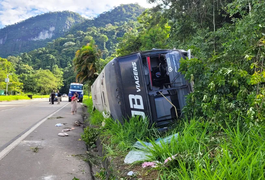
{"type": "Point", "coordinates": [124, 136]}
{"type": "Point", "coordinates": [13, 97]}
{"type": "Point", "coordinates": [40, 96]}
{"type": "Point", "coordinates": [89, 103]}
{"type": "Point", "coordinates": [21, 97]}
{"type": "Point", "coordinates": [120, 136]}
{"type": "Point", "coordinates": [203, 149]}
{"type": "Point", "coordinates": [234, 153]}
{"type": "Point", "coordinates": [85, 97]}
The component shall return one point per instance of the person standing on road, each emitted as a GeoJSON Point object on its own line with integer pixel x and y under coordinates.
{"type": "Point", "coordinates": [76, 95]}
{"type": "Point", "coordinates": [59, 97]}
{"type": "Point", "coordinates": [74, 104]}
{"type": "Point", "coordinates": [52, 96]}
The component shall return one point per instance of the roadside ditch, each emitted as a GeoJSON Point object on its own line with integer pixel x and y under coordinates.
{"type": "Point", "coordinates": [103, 166]}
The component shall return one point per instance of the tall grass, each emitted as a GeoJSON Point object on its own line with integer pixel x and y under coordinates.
{"type": "Point", "coordinates": [189, 145]}
{"type": "Point", "coordinates": [199, 153]}
{"type": "Point", "coordinates": [123, 136]}
{"type": "Point", "coordinates": [202, 149]}
{"type": "Point", "coordinates": [120, 136]}
{"type": "Point", "coordinates": [89, 103]}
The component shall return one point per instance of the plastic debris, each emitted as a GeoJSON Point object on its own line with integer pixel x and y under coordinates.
{"type": "Point", "coordinates": [62, 134]}
{"type": "Point", "coordinates": [143, 152]}
{"type": "Point", "coordinates": [66, 130]}
{"type": "Point", "coordinates": [166, 140]}
{"type": "Point", "coordinates": [136, 155]}
{"type": "Point", "coordinates": [149, 164]}
{"type": "Point", "coordinates": [58, 124]}
{"type": "Point", "coordinates": [170, 158]}
{"type": "Point", "coordinates": [130, 173]}
{"type": "Point", "coordinates": [103, 123]}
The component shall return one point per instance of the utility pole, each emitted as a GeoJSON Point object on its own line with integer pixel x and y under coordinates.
{"type": "Point", "coordinates": [7, 81]}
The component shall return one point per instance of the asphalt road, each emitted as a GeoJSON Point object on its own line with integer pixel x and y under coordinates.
{"type": "Point", "coordinates": [30, 147]}
{"type": "Point", "coordinates": [18, 116]}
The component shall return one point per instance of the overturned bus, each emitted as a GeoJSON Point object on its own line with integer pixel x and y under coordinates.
{"type": "Point", "coordinates": [146, 84]}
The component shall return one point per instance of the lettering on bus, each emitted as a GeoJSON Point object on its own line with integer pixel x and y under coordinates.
{"type": "Point", "coordinates": [136, 100]}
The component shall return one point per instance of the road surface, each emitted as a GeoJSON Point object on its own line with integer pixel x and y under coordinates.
{"type": "Point", "coordinates": [18, 116]}
{"type": "Point", "coordinates": [30, 147]}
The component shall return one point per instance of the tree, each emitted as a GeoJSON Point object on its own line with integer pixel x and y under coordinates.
{"type": "Point", "coordinates": [44, 81]}
{"type": "Point", "coordinates": [68, 77]}
{"type": "Point", "coordinates": [7, 67]}
{"type": "Point", "coordinates": [85, 63]}
{"type": "Point", "coordinates": [153, 32]}
{"type": "Point", "coordinates": [58, 74]}
{"type": "Point", "coordinates": [103, 38]}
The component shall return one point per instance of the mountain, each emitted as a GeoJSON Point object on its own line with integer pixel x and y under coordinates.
{"type": "Point", "coordinates": [105, 30]}
{"type": "Point", "coordinates": [117, 16]}
{"type": "Point", "coordinates": [35, 32]}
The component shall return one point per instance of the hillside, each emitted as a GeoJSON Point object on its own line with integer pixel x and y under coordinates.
{"type": "Point", "coordinates": [118, 16]}
{"type": "Point", "coordinates": [105, 30]}
{"type": "Point", "coordinates": [35, 32]}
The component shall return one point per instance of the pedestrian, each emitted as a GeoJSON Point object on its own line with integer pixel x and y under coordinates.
{"type": "Point", "coordinates": [59, 97]}
{"type": "Point", "coordinates": [74, 104]}
{"type": "Point", "coordinates": [76, 95]}
{"type": "Point", "coordinates": [52, 96]}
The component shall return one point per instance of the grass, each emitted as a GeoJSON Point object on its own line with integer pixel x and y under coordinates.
{"type": "Point", "coordinates": [202, 150]}
{"type": "Point", "coordinates": [21, 97]}
{"type": "Point", "coordinates": [13, 97]}
{"type": "Point", "coordinates": [235, 154]}
{"type": "Point", "coordinates": [40, 96]}
{"type": "Point", "coordinates": [120, 136]}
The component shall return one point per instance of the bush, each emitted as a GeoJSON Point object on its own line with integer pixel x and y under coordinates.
{"type": "Point", "coordinates": [90, 136]}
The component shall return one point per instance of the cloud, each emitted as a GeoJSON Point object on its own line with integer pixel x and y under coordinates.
{"type": "Point", "coordinates": [13, 11]}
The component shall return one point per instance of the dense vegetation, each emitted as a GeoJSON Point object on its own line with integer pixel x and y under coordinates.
{"type": "Point", "coordinates": [221, 136]}
{"type": "Point", "coordinates": [58, 54]}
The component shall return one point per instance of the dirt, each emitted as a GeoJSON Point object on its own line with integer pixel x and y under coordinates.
{"type": "Point", "coordinates": [139, 172]}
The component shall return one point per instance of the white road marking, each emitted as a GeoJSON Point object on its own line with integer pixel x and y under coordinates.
{"type": "Point", "coordinates": [5, 151]}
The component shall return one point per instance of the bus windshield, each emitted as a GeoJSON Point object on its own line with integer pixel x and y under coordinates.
{"type": "Point", "coordinates": [76, 87]}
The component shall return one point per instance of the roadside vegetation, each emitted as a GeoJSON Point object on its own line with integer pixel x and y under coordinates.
{"type": "Point", "coordinates": [221, 132]}
{"type": "Point", "coordinates": [202, 149]}
{"type": "Point", "coordinates": [13, 97]}
{"type": "Point", "coordinates": [21, 97]}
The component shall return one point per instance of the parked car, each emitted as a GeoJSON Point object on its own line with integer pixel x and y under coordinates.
{"type": "Point", "coordinates": [64, 95]}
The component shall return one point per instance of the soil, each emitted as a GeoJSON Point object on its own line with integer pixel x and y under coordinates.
{"type": "Point", "coordinates": [117, 169]}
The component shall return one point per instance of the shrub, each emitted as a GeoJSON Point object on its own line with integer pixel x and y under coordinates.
{"type": "Point", "coordinates": [90, 136]}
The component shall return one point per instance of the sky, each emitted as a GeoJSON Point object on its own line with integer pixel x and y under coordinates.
{"type": "Point", "coordinates": [13, 11]}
